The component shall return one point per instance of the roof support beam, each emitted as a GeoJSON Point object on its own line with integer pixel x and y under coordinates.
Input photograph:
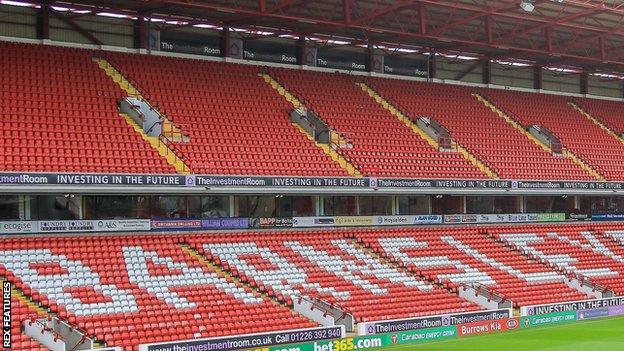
{"type": "Point", "coordinates": [43, 22]}
{"type": "Point", "coordinates": [346, 12]}
{"type": "Point", "coordinates": [549, 45]}
{"type": "Point", "coordinates": [520, 16]}
{"type": "Point", "coordinates": [139, 33]}
{"type": "Point", "coordinates": [476, 16]}
{"type": "Point", "coordinates": [584, 83]}
{"type": "Point", "coordinates": [283, 5]}
{"type": "Point", "coordinates": [486, 72]}
{"type": "Point", "coordinates": [405, 35]}
{"type": "Point", "coordinates": [561, 21]}
{"type": "Point", "coordinates": [537, 77]}
{"type": "Point", "coordinates": [488, 28]}
{"type": "Point", "coordinates": [422, 18]}
{"type": "Point", "coordinates": [75, 26]}
{"type": "Point", "coordinates": [384, 11]}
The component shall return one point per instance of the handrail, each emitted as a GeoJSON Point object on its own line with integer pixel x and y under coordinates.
{"type": "Point", "coordinates": [323, 306]}
{"type": "Point", "coordinates": [159, 122]}
{"type": "Point", "coordinates": [163, 140]}
{"type": "Point", "coordinates": [129, 79]}
{"type": "Point", "coordinates": [485, 291]}
{"type": "Point", "coordinates": [584, 280]}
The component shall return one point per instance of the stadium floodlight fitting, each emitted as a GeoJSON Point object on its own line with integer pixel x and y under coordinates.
{"type": "Point", "coordinates": [527, 6]}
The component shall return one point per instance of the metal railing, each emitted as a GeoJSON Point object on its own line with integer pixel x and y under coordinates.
{"type": "Point", "coordinates": [163, 140]}
{"type": "Point", "coordinates": [483, 290]}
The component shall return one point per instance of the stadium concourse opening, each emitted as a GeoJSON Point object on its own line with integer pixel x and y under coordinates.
{"type": "Point", "coordinates": [328, 175]}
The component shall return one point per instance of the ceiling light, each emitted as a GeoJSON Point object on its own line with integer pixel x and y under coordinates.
{"type": "Point", "coordinates": [527, 5]}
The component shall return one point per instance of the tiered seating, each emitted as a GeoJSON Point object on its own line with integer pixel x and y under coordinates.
{"type": "Point", "coordinates": [382, 144]}
{"type": "Point", "coordinates": [59, 114]}
{"type": "Point", "coordinates": [465, 256]}
{"type": "Point", "coordinates": [576, 249]}
{"type": "Point", "coordinates": [607, 111]}
{"type": "Point", "coordinates": [577, 133]}
{"type": "Point", "coordinates": [20, 313]}
{"type": "Point", "coordinates": [509, 153]}
{"type": "Point", "coordinates": [127, 290]}
{"type": "Point", "coordinates": [329, 266]}
{"type": "Point", "coordinates": [237, 123]}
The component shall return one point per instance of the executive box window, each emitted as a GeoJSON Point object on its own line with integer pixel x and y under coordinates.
{"type": "Point", "coordinates": [303, 206]}
{"type": "Point", "coordinates": [340, 205]}
{"type": "Point", "coordinates": [294, 206]}
{"type": "Point", "coordinates": [375, 205]}
{"type": "Point", "coordinates": [169, 207]}
{"type": "Point", "coordinates": [208, 206]}
{"type": "Point", "coordinates": [116, 207]}
{"type": "Point", "coordinates": [62, 207]}
{"type": "Point", "coordinates": [10, 207]}
{"type": "Point", "coordinates": [491, 204]}
{"type": "Point", "coordinates": [542, 204]}
{"type": "Point", "coordinates": [444, 204]}
{"type": "Point", "coordinates": [256, 206]}
{"type": "Point", "coordinates": [601, 204]}
{"type": "Point", "coordinates": [413, 205]}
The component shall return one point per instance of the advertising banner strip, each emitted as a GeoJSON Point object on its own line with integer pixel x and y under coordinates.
{"type": "Point", "coordinates": [75, 226]}
{"type": "Point", "coordinates": [548, 319]}
{"type": "Point", "coordinates": [176, 180]}
{"type": "Point", "coordinates": [250, 341]}
{"type": "Point", "coordinates": [607, 217]}
{"type": "Point", "coordinates": [571, 306]}
{"type": "Point", "coordinates": [488, 327]}
{"type": "Point", "coordinates": [504, 218]}
{"type": "Point", "coordinates": [388, 326]}
{"type": "Point", "coordinates": [372, 341]}
{"type": "Point", "coordinates": [346, 221]}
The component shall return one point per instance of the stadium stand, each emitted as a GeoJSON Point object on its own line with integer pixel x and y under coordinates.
{"type": "Point", "coordinates": [128, 290]}
{"type": "Point", "coordinates": [59, 114]}
{"type": "Point", "coordinates": [579, 250]}
{"type": "Point", "coordinates": [237, 124]}
{"type": "Point", "coordinates": [77, 128]}
{"type": "Point", "coordinates": [576, 132]}
{"type": "Point", "coordinates": [605, 111]}
{"type": "Point", "coordinates": [460, 256]}
{"type": "Point", "coordinates": [472, 124]}
{"type": "Point", "coordinates": [382, 145]}
{"type": "Point", "coordinates": [330, 266]}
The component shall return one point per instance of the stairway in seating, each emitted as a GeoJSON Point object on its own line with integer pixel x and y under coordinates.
{"type": "Point", "coordinates": [170, 132]}
{"type": "Point", "coordinates": [327, 149]}
{"type": "Point", "coordinates": [229, 276]}
{"type": "Point", "coordinates": [393, 263]}
{"type": "Point", "coordinates": [414, 127]}
{"type": "Point", "coordinates": [566, 153]}
{"type": "Point", "coordinates": [596, 121]}
{"type": "Point", "coordinates": [114, 74]}
{"type": "Point", "coordinates": [35, 310]}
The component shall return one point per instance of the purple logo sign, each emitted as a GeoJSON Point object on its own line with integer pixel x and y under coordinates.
{"type": "Point", "coordinates": [225, 223]}
{"type": "Point", "coordinates": [616, 310]}
{"type": "Point", "coordinates": [189, 180]}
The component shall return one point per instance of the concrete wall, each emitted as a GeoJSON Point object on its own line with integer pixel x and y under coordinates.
{"type": "Point", "coordinates": [110, 31]}
{"type": "Point", "coordinates": [561, 82]}
{"type": "Point", "coordinates": [450, 69]}
{"type": "Point", "coordinates": [18, 22]}
{"type": "Point", "coordinates": [602, 87]}
{"type": "Point", "coordinates": [521, 77]}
